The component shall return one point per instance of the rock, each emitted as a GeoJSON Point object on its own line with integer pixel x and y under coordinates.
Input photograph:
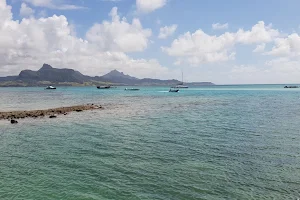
{"type": "Point", "coordinates": [51, 113]}
{"type": "Point", "coordinates": [13, 121]}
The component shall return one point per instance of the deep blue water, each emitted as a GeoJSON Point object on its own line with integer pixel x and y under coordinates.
{"type": "Point", "coordinates": [218, 142]}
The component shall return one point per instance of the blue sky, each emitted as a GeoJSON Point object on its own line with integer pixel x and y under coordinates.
{"type": "Point", "coordinates": [223, 53]}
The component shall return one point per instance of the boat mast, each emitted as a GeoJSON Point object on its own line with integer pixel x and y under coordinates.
{"type": "Point", "coordinates": [182, 76]}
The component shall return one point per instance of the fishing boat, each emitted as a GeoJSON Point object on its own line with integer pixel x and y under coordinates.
{"type": "Point", "coordinates": [104, 87]}
{"type": "Point", "coordinates": [173, 90]}
{"type": "Point", "coordinates": [180, 85]}
{"type": "Point", "coordinates": [132, 89]}
{"type": "Point", "coordinates": [50, 87]}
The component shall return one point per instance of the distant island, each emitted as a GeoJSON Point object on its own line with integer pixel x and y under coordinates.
{"type": "Point", "coordinates": [47, 75]}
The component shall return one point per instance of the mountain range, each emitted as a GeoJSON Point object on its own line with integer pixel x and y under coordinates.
{"type": "Point", "coordinates": [48, 75]}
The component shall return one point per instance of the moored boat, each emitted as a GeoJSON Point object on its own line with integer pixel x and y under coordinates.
{"type": "Point", "coordinates": [104, 87]}
{"type": "Point", "coordinates": [132, 89]}
{"type": "Point", "coordinates": [291, 86]}
{"type": "Point", "coordinates": [173, 90]}
{"type": "Point", "coordinates": [50, 87]}
{"type": "Point", "coordinates": [180, 85]}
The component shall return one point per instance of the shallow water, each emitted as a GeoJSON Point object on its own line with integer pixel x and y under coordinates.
{"type": "Point", "coordinates": [219, 142]}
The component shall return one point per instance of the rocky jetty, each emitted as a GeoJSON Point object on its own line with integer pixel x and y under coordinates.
{"type": "Point", "coordinates": [47, 112]}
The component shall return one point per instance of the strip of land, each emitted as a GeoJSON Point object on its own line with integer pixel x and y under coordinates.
{"type": "Point", "coordinates": [47, 112]}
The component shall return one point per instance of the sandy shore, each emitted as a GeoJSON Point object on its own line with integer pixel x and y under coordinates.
{"type": "Point", "coordinates": [47, 112]}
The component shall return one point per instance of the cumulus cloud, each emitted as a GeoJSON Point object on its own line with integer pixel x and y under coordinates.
{"type": "Point", "coordinates": [29, 43]}
{"type": "Point", "coordinates": [259, 33]}
{"type": "Point", "coordinates": [259, 48]}
{"type": "Point", "coordinates": [199, 47]}
{"type": "Point", "coordinates": [119, 35]}
{"type": "Point", "coordinates": [52, 4]}
{"type": "Point", "coordinates": [219, 26]}
{"type": "Point", "coordinates": [289, 46]}
{"type": "Point", "coordinates": [26, 11]}
{"type": "Point", "coordinates": [167, 31]}
{"type": "Point", "coordinates": [147, 6]}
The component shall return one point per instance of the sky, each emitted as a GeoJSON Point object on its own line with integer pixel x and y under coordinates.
{"type": "Point", "coordinates": [224, 42]}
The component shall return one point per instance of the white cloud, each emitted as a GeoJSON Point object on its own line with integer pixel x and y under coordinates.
{"type": "Point", "coordinates": [198, 47]}
{"type": "Point", "coordinates": [219, 26]}
{"type": "Point", "coordinates": [119, 35]}
{"type": "Point", "coordinates": [29, 43]}
{"type": "Point", "coordinates": [259, 33]}
{"type": "Point", "coordinates": [147, 6]}
{"type": "Point", "coordinates": [289, 46]}
{"type": "Point", "coordinates": [59, 5]}
{"type": "Point", "coordinates": [259, 48]}
{"type": "Point", "coordinates": [167, 31]}
{"type": "Point", "coordinates": [26, 11]}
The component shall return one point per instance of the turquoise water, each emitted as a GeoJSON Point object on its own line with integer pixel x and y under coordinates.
{"type": "Point", "coordinates": [218, 142]}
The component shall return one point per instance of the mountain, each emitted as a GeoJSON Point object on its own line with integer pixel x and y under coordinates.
{"type": "Point", "coordinates": [119, 77]}
{"type": "Point", "coordinates": [49, 75]}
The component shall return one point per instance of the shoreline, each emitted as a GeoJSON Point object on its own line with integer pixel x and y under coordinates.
{"type": "Point", "coordinates": [51, 113]}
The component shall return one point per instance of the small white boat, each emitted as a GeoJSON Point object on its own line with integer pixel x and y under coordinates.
{"type": "Point", "coordinates": [50, 87]}
{"type": "Point", "coordinates": [132, 89]}
{"type": "Point", "coordinates": [103, 87]}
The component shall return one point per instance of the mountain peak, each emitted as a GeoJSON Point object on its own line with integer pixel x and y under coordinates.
{"type": "Point", "coordinates": [115, 72]}
{"type": "Point", "coordinates": [46, 66]}
{"type": "Point", "coordinates": [118, 77]}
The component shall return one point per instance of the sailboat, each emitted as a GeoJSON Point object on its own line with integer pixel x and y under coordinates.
{"type": "Point", "coordinates": [180, 85]}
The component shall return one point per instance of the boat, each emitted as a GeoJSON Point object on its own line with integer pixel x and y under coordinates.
{"type": "Point", "coordinates": [132, 89]}
{"type": "Point", "coordinates": [181, 84]}
{"type": "Point", "coordinates": [104, 87]}
{"type": "Point", "coordinates": [291, 86]}
{"type": "Point", "coordinates": [50, 87]}
{"type": "Point", "coordinates": [173, 90]}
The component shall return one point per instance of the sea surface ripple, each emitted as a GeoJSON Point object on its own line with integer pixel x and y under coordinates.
{"type": "Point", "coordinates": [219, 142]}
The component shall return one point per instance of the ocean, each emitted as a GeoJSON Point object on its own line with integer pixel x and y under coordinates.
{"type": "Point", "coordinates": [213, 142]}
